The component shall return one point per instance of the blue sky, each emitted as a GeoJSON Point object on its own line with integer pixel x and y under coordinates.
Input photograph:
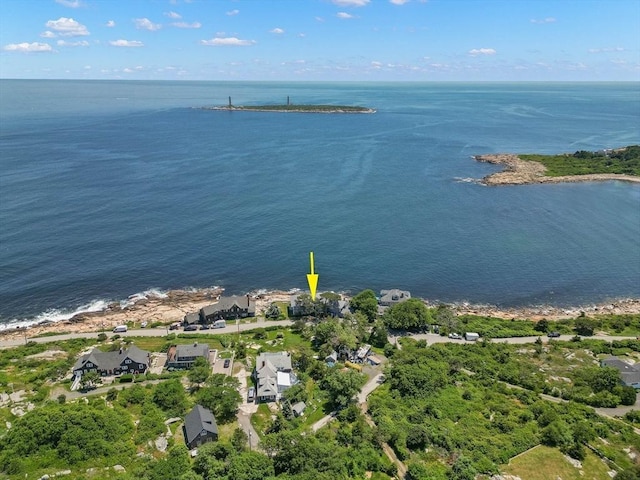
{"type": "Point", "coordinates": [318, 40]}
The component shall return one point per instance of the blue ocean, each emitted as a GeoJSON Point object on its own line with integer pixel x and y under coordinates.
{"type": "Point", "coordinates": [112, 188]}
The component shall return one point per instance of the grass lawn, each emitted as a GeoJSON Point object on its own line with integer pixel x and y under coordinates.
{"type": "Point", "coordinates": [260, 420]}
{"type": "Point", "coordinates": [543, 463]}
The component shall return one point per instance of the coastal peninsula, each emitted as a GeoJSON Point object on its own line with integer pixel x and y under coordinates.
{"type": "Point", "coordinates": [293, 108]}
{"type": "Point", "coordinates": [621, 164]}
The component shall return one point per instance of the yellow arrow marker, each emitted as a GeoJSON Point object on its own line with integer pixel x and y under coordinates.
{"type": "Point", "coordinates": [312, 278]}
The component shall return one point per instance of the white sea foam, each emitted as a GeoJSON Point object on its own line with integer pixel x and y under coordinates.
{"type": "Point", "coordinates": [136, 297]}
{"type": "Point", "coordinates": [56, 315]}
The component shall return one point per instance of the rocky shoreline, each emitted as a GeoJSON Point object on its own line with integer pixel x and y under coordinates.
{"type": "Point", "coordinates": [524, 172]}
{"type": "Point", "coordinates": [172, 306]}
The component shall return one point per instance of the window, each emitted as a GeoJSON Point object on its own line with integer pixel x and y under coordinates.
{"type": "Point", "coordinates": [124, 367]}
{"type": "Point", "coordinates": [127, 361]}
{"type": "Point", "coordinates": [141, 366]}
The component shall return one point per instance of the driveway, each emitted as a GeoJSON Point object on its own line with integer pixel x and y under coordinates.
{"type": "Point", "coordinates": [246, 409]}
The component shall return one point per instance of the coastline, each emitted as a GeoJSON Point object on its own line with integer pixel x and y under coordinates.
{"type": "Point", "coordinates": [172, 306]}
{"type": "Point", "coordinates": [525, 172]}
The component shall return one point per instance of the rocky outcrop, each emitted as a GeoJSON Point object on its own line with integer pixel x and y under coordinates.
{"type": "Point", "coordinates": [525, 172]}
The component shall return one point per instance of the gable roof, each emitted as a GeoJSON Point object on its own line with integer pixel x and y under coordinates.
{"type": "Point", "coordinates": [112, 360]}
{"type": "Point", "coordinates": [198, 419]}
{"type": "Point", "coordinates": [192, 350]}
{"type": "Point", "coordinates": [243, 302]}
{"type": "Point", "coordinates": [629, 374]}
{"type": "Point", "coordinates": [268, 368]}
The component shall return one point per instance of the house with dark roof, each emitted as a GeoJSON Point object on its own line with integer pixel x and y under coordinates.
{"type": "Point", "coordinates": [184, 356]}
{"type": "Point", "coordinates": [273, 375]}
{"type": "Point", "coordinates": [191, 319]}
{"type": "Point", "coordinates": [130, 360]}
{"type": "Point", "coordinates": [393, 296]}
{"type": "Point", "coordinates": [199, 427]}
{"type": "Point", "coordinates": [629, 374]}
{"type": "Point", "coordinates": [229, 308]}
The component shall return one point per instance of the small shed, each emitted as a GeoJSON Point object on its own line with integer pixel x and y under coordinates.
{"type": "Point", "coordinates": [298, 409]}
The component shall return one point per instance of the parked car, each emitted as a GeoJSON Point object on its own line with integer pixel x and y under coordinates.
{"type": "Point", "coordinates": [206, 326]}
{"type": "Point", "coordinates": [120, 329]}
{"type": "Point", "coordinates": [190, 328]}
{"type": "Point", "coordinates": [251, 394]}
{"type": "Point", "coordinates": [227, 362]}
{"type": "Point", "coordinates": [143, 325]}
{"type": "Point", "coordinates": [455, 336]}
{"type": "Point", "coordinates": [174, 326]}
{"type": "Point", "coordinates": [553, 334]}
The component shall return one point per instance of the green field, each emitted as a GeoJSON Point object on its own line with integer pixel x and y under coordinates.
{"type": "Point", "coordinates": [620, 161]}
{"type": "Point", "coordinates": [543, 463]}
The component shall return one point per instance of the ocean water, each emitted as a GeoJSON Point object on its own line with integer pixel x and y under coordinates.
{"type": "Point", "coordinates": [112, 188]}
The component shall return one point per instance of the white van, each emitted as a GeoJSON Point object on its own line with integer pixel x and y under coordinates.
{"type": "Point", "coordinates": [219, 324]}
{"type": "Point", "coordinates": [120, 329]}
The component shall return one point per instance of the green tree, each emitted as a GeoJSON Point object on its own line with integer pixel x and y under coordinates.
{"type": "Point", "coordinates": [174, 465]}
{"type": "Point", "coordinates": [220, 396]}
{"type": "Point", "coordinates": [408, 315]}
{"type": "Point", "coordinates": [379, 334]}
{"type": "Point", "coordinates": [89, 380]}
{"type": "Point", "coordinates": [542, 326]}
{"type": "Point", "coordinates": [239, 440]}
{"type": "Point", "coordinates": [342, 386]}
{"type": "Point", "coordinates": [366, 303]}
{"type": "Point", "coordinates": [170, 397]}
{"type": "Point", "coordinates": [585, 326]}
{"type": "Point", "coordinates": [200, 371]}
{"type": "Point", "coordinates": [250, 466]}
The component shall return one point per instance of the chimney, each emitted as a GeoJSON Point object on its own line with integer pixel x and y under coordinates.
{"type": "Point", "coordinates": [121, 350]}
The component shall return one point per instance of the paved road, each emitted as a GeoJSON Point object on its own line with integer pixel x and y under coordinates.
{"type": "Point", "coordinates": [432, 338]}
{"type": "Point", "coordinates": [146, 332]}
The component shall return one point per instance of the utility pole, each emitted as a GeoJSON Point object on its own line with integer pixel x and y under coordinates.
{"type": "Point", "coordinates": [229, 102]}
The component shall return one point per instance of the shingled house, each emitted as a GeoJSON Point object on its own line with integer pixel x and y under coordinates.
{"type": "Point", "coordinates": [629, 374]}
{"type": "Point", "coordinates": [184, 356]}
{"type": "Point", "coordinates": [393, 296]}
{"type": "Point", "coordinates": [229, 308]}
{"type": "Point", "coordinates": [131, 360]}
{"type": "Point", "coordinates": [199, 427]}
{"type": "Point", "coordinates": [273, 375]}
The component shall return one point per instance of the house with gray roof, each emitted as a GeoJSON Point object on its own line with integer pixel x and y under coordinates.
{"type": "Point", "coordinates": [184, 356]}
{"type": "Point", "coordinates": [273, 375]}
{"type": "Point", "coordinates": [393, 296]}
{"type": "Point", "coordinates": [130, 360]}
{"type": "Point", "coordinates": [191, 319]}
{"type": "Point", "coordinates": [629, 374]}
{"type": "Point", "coordinates": [229, 308]}
{"type": "Point", "coordinates": [199, 427]}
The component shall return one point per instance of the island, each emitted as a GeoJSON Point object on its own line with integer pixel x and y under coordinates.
{"type": "Point", "coordinates": [294, 108]}
{"type": "Point", "coordinates": [616, 164]}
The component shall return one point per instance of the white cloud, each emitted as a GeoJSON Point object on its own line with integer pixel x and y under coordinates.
{"type": "Point", "coordinates": [344, 15]}
{"type": "Point", "coordinates": [126, 43]}
{"type": "Point", "coordinates": [227, 41]}
{"type": "Point", "coordinates": [87, 67]}
{"type": "Point", "coordinates": [48, 34]}
{"type": "Point", "coordinates": [64, 43]}
{"type": "Point", "coordinates": [277, 31]}
{"type": "Point", "coordinates": [146, 24]}
{"type": "Point", "coordinates": [67, 27]}
{"type": "Point", "coordinates": [482, 51]}
{"type": "Point", "coordinates": [399, 2]}
{"type": "Point", "coordinates": [351, 3]}
{"type": "Point", "coordinates": [127, 70]}
{"type": "Point", "coordinates": [110, 24]}
{"type": "Point", "coordinates": [544, 20]}
{"type": "Point", "coordinates": [606, 50]}
{"type": "Point", "coordinates": [186, 25]}
{"type": "Point", "coordinates": [319, 19]}
{"type": "Point", "coordinates": [28, 47]}
{"type": "Point", "coordinates": [232, 13]}
{"type": "Point", "coordinates": [71, 3]}
{"type": "Point", "coordinates": [173, 15]}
